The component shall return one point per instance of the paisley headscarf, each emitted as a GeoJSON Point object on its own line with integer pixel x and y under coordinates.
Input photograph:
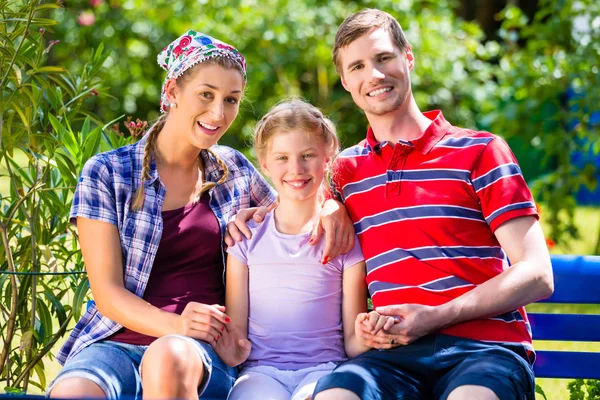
{"type": "Point", "coordinates": [188, 50]}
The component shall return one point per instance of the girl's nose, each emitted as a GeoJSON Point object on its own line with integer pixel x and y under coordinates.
{"type": "Point", "coordinates": [298, 166]}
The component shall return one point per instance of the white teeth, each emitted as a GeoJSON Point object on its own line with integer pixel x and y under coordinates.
{"type": "Point", "coordinates": [207, 126]}
{"type": "Point", "coordinates": [379, 91]}
{"type": "Point", "coordinates": [297, 184]}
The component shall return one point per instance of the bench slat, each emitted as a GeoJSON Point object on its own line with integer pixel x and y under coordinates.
{"type": "Point", "coordinates": [566, 364]}
{"type": "Point", "coordinates": [570, 327]}
{"type": "Point", "coordinates": [576, 279]}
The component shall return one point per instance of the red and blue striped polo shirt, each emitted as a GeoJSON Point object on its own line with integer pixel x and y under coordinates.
{"type": "Point", "coordinates": [425, 212]}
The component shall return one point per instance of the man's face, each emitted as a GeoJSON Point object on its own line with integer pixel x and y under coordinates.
{"type": "Point", "coordinates": [376, 73]}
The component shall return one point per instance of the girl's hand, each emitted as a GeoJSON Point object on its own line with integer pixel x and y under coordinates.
{"type": "Point", "coordinates": [360, 329]}
{"type": "Point", "coordinates": [371, 330]}
{"type": "Point", "coordinates": [232, 347]}
{"type": "Point", "coordinates": [374, 322]}
{"type": "Point", "coordinates": [202, 321]}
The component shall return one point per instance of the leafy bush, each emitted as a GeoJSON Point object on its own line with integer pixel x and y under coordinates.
{"type": "Point", "coordinates": [588, 389]}
{"type": "Point", "coordinates": [46, 137]}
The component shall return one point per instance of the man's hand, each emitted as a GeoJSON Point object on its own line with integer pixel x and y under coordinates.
{"type": "Point", "coordinates": [338, 228]}
{"type": "Point", "coordinates": [238, 227]}
{"type": "Point", "coordinates": [412, 321]}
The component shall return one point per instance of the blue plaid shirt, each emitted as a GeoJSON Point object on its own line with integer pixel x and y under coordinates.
{"type": "Point", "coordinates": [104, 193]}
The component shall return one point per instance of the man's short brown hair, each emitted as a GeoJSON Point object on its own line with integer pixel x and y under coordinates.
{"type": "Point", "coordinates": [363, 22]}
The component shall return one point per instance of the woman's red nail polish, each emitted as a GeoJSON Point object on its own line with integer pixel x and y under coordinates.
{"type": "Point", "coordinates": [227, 319]}
{"type": "Point", "coordinates": [222, 328]}
{"type": "Point", "coordinates": [325, 260]}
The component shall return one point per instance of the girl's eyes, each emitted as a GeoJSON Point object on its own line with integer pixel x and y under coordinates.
{"type": "Point", "coordinates": [207, 95]}
{"type": "Point", "coordinates": [356, 67]}
{"type": "Point", "coordinates": [231, 100]}
{"type": "Point", "coordinates": [283, 158]}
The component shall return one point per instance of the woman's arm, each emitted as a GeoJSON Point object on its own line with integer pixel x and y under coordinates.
{"type": "Point", "coordinates": [101, 249]}
{"type": "Point", "coordinates": [354, 302]}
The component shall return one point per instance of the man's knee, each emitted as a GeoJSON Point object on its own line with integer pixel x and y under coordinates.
{"type": "Point", "coordinates": [76, 388]}
{"type": "Point", "coordinates": [336, 394]}
{"type": "Point", "coordinates": [472, 392]}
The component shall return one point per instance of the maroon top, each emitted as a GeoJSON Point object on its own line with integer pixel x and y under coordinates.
{"type": "Point", "coordinates": [188, 265]}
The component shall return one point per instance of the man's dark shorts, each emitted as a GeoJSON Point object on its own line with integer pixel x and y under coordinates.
{"type": "Point", "coordinates": [432, 367]}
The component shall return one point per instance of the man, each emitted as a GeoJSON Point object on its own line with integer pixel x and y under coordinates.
{"type": "Point", "coordinates": [438, 211]}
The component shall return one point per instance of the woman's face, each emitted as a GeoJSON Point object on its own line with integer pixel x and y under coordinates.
{"type": "Point", "coordinates": [207, 103]}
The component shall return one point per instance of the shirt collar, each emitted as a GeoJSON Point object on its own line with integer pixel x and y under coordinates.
{"type": "Point", "coordinates": [424, 143]}
{"type": "Point", "coordinates": [213, 169]}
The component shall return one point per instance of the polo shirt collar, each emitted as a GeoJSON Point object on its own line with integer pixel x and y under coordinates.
{"type": "Point", "coordinates": [438, 128]}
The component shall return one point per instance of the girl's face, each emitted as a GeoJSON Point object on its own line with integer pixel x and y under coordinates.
{"type": "Point", "coordinates": [207, 103]}
{"type": "Point", "coordinates": [296, 163]}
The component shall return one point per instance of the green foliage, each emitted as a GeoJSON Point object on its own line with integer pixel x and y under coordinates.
{"type": "Point", "coordinates": [588, 389]}
{"type": "Point", "coordinates": [47, 134]}
{"type": "Point", "coordinates": [288, 49]}
{"type": "Point", "coordinates": [543, 60]}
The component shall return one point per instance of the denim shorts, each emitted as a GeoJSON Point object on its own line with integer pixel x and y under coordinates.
{"type": "Point", "coordinates": [432, 367]}
{"type": "Point", "coordinates": [115, 367]}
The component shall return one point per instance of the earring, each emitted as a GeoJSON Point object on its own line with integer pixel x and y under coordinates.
{"type": "Point", "coordinates": [174, 105]}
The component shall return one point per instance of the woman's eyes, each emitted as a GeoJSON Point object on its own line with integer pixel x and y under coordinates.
{"type": "Point", "coordinates": [309, 155]}
{"type": "Point", "coordinates": [228, 100]}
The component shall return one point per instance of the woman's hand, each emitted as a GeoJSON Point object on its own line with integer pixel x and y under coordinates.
{"type": "Point", "coordinates": [232, 347]}
{"type": "Point", "coordinates": [203, 321]}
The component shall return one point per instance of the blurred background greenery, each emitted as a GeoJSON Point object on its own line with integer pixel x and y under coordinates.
{"type": "Point", "coordinates": [524, 69]}
{"type": "Point", "coordinates": [70, 70]}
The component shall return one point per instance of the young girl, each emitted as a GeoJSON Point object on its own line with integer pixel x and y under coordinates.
{"type": "Point", "coordinates": [297, 312]}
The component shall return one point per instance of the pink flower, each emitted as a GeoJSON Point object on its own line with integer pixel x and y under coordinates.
{"type": "Point", "coordinates": [550, 243]}
{"type": "Point", "coordinates": [86, 18]}
{"type": "Point", "coordinates": [96, 3]}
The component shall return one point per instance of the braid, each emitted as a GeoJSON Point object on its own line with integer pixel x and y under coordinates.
{"type": "Point", "coordinates": [149, 150]}
{"type": "Point", "coordinates": [206, 186]}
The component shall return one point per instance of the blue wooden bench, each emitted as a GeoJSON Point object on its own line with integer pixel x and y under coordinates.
{"type": "Point", "coordinates": [576, 281]}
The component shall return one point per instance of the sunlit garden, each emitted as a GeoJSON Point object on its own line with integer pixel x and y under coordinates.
{"type": "Point", "coordinates": [80, 77]}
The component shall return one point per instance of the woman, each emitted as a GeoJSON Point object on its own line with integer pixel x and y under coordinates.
{"type": "Point", "coordinates": [151, 219]}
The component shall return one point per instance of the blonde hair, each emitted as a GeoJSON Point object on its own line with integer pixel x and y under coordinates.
{"type": "Point", "coordinates": [150, 147]}
{"type": "Point", "coordinates": [295, 114]}
{"type": "Point", "coordinates": [364, 22]}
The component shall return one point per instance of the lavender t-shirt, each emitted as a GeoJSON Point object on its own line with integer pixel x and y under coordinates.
{"type": "Point", "coordinates": [295, 302]}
